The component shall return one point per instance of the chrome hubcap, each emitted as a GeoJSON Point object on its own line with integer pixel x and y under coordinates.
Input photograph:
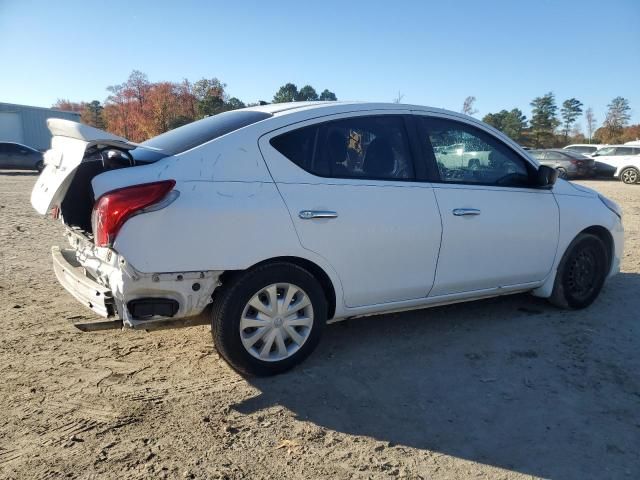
{"type": "Point", "coordinates": [276, 322]}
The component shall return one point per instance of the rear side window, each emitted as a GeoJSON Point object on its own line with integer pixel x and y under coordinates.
{"type": "Point", "coordinates": [375, 148]}
{"type": "Point", "coordinates": [624, 151]}
{"type": "Point", "coordinates": [188, 136]}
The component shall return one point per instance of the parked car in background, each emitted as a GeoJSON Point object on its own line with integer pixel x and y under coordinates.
{"type": "Point", "coordinates": [629, 170]}
{"type": "Point", "coordinates": [272, 220]}
{"type": "Point", "coordinates": [15, 156]}
{"type": "Point", "coordinates": [568, 163]}
{"type": "Point", "coordinates": [584, 148]}
{"type": "Point", "coordinates": [610, 158]}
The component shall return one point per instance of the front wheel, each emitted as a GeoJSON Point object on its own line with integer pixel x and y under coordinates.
{"type": "Point", "coordinates": [581, 273]}
{"type": "Point", "coordinates": [268, 319]}
{"type": "Point", "coordinates": [40, 166]}
{"type": "Point", "coordinates": [629, 176]}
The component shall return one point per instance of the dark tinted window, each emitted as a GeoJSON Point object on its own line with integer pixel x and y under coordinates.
{"type": "Point", "coordinates": [188, 136]}
{"type": "Point", "coordinates": [465, 154]}
{"type": "Point", "coordinates": [636, 151]}
{"type": "Point", "coordinates": [624, 151]}
{"type": "Point", "coordinates": [358, 147]}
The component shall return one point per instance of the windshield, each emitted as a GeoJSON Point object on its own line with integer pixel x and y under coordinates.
{"type": "Point", "coordinates": [193, 134]}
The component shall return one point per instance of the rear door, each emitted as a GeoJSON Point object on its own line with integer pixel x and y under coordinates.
{"type": "Point", "coordinates": [498, 231]}
{"type": "Point", "coordinates": [358, 199]}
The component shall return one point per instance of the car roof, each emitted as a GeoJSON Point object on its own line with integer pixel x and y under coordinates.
{"type": "Point", "coordinates": [290, 108]}
{"type": "Point", "coordinates": [620, 145]}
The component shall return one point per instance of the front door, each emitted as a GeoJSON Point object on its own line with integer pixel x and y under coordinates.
{"type": "Point", "coordinates": [498, 230]}
{"type": "Point", "coordinates": [352, 191]}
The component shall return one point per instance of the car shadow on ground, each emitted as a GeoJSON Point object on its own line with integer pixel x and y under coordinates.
{"type": "Point", "coordinates": [510, 382]}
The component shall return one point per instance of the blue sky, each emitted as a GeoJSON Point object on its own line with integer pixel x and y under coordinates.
{"type": "Point", "coordinates": [435, 53]}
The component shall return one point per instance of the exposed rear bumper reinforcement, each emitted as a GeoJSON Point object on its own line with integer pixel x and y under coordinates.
{"type": "Point", "coordinates": [73, 278]}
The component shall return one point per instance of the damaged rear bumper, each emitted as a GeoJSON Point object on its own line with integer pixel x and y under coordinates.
{"type": "Point", "coordinates": [106, 282]}
{"type": "Point", "coordinates": [72, 277]}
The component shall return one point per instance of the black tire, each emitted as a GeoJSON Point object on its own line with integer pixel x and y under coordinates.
{"type": "Point", "coordinates": [581, 273]}
{"type": "Point", "coordinates": [562, 173]}
{"type": "Point", "coordinates": [629, 176]}
{"type": "Point", "coordinates": [229, 304]}
{"type": "Point", "coordinates": [40, 166]}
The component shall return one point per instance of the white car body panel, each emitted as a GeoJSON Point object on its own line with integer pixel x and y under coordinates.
{"type": "Point", "coordinates": [489, 250]}
{"type": "Point", "coordinates": [380, 255]}
{"type": "Point", "coordinates": [632, 161]}
{"type": "Point", "coordinates": [393, 246]}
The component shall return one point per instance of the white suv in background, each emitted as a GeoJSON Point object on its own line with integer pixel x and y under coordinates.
{"type": "Point", "coordinates": [610, 159]}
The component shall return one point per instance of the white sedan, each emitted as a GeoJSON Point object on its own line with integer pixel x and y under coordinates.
{"type": "Point", "coordinates": [272, 220]}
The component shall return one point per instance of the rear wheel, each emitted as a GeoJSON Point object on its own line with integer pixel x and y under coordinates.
{"type": "Point", "coordinates": [269, 319]}
{"type": "Point", "coordinates": [581, 273]}
{"type": "Point", "coordinates": [629, 176]}
{"type": "Point", "coordinates": [562, 173]}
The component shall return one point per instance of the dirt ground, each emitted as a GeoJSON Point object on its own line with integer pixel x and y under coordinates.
{"type": "Point", "coordinates": [504, 388]}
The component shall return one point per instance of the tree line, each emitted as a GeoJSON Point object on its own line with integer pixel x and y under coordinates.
{"type": "Point", "coordinates": [551, 126]}
{"type": "Point", "coordinates": [139, 109]}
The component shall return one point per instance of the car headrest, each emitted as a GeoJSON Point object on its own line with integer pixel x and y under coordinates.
{"type": "Point", "coordinates": [379, 160]}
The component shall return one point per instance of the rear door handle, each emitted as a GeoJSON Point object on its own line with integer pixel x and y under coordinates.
{"type": "Point", "coordinates": [309, 214]}
{"type": "Point", "coordinates": [460, 212]}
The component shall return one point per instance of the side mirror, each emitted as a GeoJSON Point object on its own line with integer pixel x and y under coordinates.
{"type": "Point", "coordinates": [546, 176]}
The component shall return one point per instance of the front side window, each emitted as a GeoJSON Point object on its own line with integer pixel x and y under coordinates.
{"type": "Point", "coordinates": [359, 147]}
{"type": "Point", "coordinates": [465, 154]}
{"type": "Point", "coordinates": [605, 151]}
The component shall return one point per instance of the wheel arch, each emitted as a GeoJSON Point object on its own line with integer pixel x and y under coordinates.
{"type": "Point", "coordinates": [318, 272]}
{"type": "Point", "coordinates": [602, 233]}
{"type": "Point", "coordinates": [605, 235]}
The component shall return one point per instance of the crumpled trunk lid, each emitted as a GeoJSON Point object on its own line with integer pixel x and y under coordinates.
{"type": "Point", "coordinates": [68, 147]}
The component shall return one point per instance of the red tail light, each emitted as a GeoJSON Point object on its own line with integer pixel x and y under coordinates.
{"type": "Point", "coordinates": [114, 208]}
{"type": "Point", "coordinates": [577, 162]}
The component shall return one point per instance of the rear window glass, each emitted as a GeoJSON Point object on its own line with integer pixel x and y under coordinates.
{"type": "Point", "coordinates": [188, 136]}
{"type": "Point", "coordinates": [582, 149]}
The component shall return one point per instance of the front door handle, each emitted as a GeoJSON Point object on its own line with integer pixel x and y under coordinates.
{"type": "Point", "coordinates": [461, 212]}
{"type": "Point", "coordinates": [309, 214]}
